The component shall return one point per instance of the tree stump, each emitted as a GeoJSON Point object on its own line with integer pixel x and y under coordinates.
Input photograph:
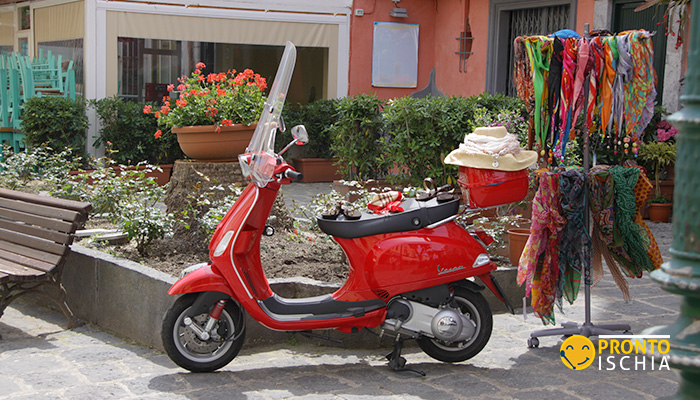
{"type": "Point", "coordinates": [191, 179]}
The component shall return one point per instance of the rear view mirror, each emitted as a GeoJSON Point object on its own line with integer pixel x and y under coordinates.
{"type": "Point", "coordinates": [300, 135]}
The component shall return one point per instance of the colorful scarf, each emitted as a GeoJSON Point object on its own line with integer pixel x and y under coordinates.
{"type": "Point", "coordinates": [639, 100]}
{"type": "Point", "coordinates": [539, 51]}
{"type": "Point", "coordinates": [554, 86]}
{"type": "Point", "coordinates": [632, 236]}
{"type": "Point", "coordinates": [538, 266]}
{"type": "Point", "coordinates": [567, 92]}
{"type": "Point", "coordinates": [623, 77]}
{"type": "Point", "coordinates": [522, 74]}
{"type": "Point", "coordinates": [610, 50]}
{"type": "Point", "coordinates": [594, 92]}
{"type": "Point", "coordinates": [601, 195]}
{"type": "Point", "coordinates": [575, 249]}
{"type": "Point", "coordinates": [641, 193]}
{"type": "Point", "coordinates": [585, 64]}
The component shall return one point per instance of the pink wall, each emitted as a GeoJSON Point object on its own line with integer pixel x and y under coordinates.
{"type": "Point", "coordinates": [361, 32]}
{"type": "Point", "coordinates": [450, 19]}
{"type": "Point", "coordinates": [441, 22]}
{"type": "Point", "coordinates": [584, 14]}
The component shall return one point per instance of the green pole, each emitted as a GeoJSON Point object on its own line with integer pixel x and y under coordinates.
{"type": "Point", "coordinates": [681, 275]}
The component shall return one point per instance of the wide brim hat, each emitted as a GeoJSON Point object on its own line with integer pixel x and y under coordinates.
{"type": "Point", "coordinates": [506, 162]}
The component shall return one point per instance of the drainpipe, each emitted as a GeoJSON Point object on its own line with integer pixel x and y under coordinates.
{"type": "Point", "coordinates": [681, 275]}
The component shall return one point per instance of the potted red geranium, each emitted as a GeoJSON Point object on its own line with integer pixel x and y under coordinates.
{"type": "Point", "coordinates": [214, 115]}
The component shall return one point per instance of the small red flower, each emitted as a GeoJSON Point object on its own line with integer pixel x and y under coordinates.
{"type": "Point", "coordinates": [200, 65]}
{"type": "Point", "coordinates": [158, 134]}
{"type": "Point", "coordinates": [171, 87]}
{"type": "Point", "coordinates": [147, 109]}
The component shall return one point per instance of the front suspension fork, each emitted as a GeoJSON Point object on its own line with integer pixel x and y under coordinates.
{"type": "Point", "coordinates": [205, 333]}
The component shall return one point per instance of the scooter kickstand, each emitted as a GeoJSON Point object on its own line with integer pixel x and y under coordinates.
{"type": "Point", "coordinates": [398, 363]}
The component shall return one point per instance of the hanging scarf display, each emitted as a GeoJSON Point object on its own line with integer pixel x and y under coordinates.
{"type": "Point", "coordinates": [575, 248]}
{"type": "Point", "coordinates": [538, 266]}
{"type": "Point", "coordinates": [610, 77]}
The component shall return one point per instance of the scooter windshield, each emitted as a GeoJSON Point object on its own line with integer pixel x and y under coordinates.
{"type": "Point", "coordinates": [262, 146]}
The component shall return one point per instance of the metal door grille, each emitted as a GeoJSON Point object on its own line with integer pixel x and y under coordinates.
{"type": "Point", "coordinates": [128, 53]}
{"type": "Point", "coordinates": [533, 21]}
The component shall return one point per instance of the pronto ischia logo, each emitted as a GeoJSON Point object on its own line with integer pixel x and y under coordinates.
{"type": "Point", "coordinates": [617, 352]}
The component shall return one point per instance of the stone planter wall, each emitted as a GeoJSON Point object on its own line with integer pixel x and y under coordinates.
{"type": "Point", "coordinates": [130, 299]}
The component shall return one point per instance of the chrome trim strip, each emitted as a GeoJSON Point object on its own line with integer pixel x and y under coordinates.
{"type": "Point", "coordinates": [436, 224]}
{"type": "Point", "coordinates": [233, 242]}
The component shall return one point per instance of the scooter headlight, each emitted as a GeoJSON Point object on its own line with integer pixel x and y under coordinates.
{"type": "Point", "coordinates": [190, 269]}
{"type": "Point", "coordinates": [481, 259]}
{"type": "Point", "coordinates": [243, 162]}
{"type": "Point", "coordinates": [223, 244]}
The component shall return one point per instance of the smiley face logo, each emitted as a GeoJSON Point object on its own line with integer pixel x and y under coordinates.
{"type": "Point", "coordinates": [577, 352]}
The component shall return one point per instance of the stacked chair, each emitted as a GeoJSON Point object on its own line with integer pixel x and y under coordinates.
{"type": "Point", "coordinates": [23, 77]}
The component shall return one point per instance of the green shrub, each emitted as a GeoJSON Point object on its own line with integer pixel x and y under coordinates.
{"type": "Point", "coordinates": [497, 102]}
{"type": "Point", "coordinates": [357, 138]}
{"type": "Point", "coordinates": [138, 216]}
{"type": "Point", "coordinates": [423, 131]}
{"type": "Point", "coordinates": [57, 122]}
{"type": "Point", "coordinates": [131, 133]}
{"type": "Point", "coordinates": [126, 197]}
{"type": "Point", "coordinates": [318, 117]}
{"type": "Point", "coordinates": [659, 155]}
{"type": "Point", "coordinates": [39, 168]}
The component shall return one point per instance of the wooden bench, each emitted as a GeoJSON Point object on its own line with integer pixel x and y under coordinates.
{"type": "Point", "coordinates": [35, 237]}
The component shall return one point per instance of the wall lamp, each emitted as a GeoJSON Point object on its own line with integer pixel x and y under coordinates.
{"type": "Point", "coordinates": [398, 12]}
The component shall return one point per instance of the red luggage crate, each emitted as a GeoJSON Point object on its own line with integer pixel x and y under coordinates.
{"type": "Point", "coordinates": [483, 188]}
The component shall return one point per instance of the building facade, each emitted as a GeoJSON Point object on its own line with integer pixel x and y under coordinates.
{"type": "Point", "coordinates": [389, 47]}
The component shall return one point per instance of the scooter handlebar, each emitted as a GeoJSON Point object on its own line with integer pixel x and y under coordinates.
{"type": "Point", "coordinates": [293, 175]}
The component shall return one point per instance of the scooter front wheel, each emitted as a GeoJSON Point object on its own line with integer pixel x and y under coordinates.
{"type": "Point", "coordinates": [188, 350]}
{"type": "Point", "coordinates": [473, 306]}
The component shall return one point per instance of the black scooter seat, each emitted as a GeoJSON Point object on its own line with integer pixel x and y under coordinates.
{"type": "Point", "coordinates": [416, 215]}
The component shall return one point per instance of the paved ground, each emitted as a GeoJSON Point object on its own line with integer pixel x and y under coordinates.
{"type": "Point", "coordinates": [39, 359]}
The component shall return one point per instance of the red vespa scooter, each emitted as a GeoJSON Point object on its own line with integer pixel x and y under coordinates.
{"type": "Point", "coordinates": [408, 271]}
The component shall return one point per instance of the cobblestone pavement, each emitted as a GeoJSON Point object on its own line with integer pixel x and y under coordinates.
{"type": "Point", "coordinates": [39, 359]}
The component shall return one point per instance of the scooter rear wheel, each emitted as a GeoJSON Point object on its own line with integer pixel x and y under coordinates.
{"type": "Point", "coordinates": [477, 310]}
{"type": "Point", "coordinates": [187, 350]}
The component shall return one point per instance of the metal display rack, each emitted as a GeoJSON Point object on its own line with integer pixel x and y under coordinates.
{"type": "Point", "coordinates": [587, 328]}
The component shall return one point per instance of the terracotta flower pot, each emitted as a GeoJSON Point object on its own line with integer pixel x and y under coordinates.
{"type": "Point", "coordinates": [660, 212]}
{"type": "Point", "coordinates": [517, 238]}
{"type": "Point", "coordinates": [317, 169]}
{"type": "Point", "coordinates": [202, 142]}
